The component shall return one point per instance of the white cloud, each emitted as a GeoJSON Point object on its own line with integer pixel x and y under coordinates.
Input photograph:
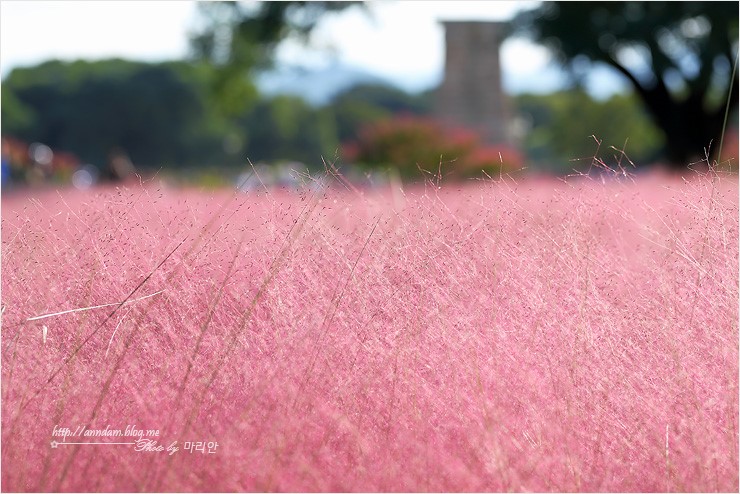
{"type": "Point", "coordinates": [31, 32]}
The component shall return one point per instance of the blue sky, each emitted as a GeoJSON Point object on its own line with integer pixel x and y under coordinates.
{"type": "Point", "coordinates": [399, 41]}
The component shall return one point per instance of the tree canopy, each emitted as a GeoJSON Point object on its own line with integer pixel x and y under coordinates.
{"type": "Point", "coordinates": [678, 56]}
{"type": "Point", "coordinates": [206, 111]}
{"type": "Point", "coordinates": [238, 37]}
{"type": "Point", "coordinates": [159, 113]}
{"type": "Point", "coordinates": [566, 127]}
{"type": "Point", "coordinates": [163, 116]}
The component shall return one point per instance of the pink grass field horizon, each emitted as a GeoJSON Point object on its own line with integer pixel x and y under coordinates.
{"type": "Point", "coordinates": [496, 336]}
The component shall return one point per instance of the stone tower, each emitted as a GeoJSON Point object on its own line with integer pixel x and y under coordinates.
{"type": "Point", "coordinates": [471, 94]}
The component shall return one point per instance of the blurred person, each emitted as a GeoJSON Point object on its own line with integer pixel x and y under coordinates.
{"type": "Point", "coordinates": [41, 157]}
{"type": "Point", "coordinates": [5, 169]}
{"type": "Point", "coordinates": [120, 168]}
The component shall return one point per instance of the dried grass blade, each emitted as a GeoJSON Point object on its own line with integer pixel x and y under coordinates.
{"type": "Point", "coordinates": [44, 316]}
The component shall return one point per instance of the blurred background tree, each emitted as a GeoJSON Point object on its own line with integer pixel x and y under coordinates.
{"type": "Point", "coordinates": [201, 112]}
{"type": "Point", "coordinates": [286, 128]}
{"type": "Point", "coordinates": [559, 126]}
{"type": "Point", "coordinates": [238, 38]}
{"type": "Point", "coordinates": [369, 103]}
{"type": "Point", "coordinates": [205, 112]}
{"type": "Point", "coordinates": [678, 56]}
{"type": "Point", "coordinates": [159, 113]}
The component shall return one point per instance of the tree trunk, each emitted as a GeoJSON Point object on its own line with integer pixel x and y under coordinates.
{"type": "Point", "coordinates": [693, 133]}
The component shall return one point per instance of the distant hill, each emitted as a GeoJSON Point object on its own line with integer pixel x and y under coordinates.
{"type": "Point", "coordinates": [316, 86]}
{"type": "Point", "coordinates": [319, 86]}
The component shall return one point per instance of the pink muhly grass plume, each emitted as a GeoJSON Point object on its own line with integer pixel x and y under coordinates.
{"type": "Point", "coordinates": [497, 336]}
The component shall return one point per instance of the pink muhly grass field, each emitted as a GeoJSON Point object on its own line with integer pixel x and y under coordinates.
{"type": "Point", "coordinates": [531, 336]}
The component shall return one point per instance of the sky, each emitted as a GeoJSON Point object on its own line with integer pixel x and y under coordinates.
{"type": "Point", "coordinates": [400, 41]}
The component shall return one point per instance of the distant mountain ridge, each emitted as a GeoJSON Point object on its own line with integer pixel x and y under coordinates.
{"type": "Point", "coordinates": [316, 86]}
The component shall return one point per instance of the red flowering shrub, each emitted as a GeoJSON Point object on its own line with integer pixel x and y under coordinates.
{"type": "Point", "coordinates": [409, 144]}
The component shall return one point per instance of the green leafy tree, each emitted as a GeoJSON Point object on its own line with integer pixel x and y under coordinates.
{"type": "Point", "coordinates": [239, 37]}
{"type": "Point", "coordinates": [15, 115]}
{"type": "Point", "coordinates": [558, 139]}
{"type": "Point", "coordinates": [367, 103]}
{"type": "Point", "coordinates": [678, 56]}
{"type": "Point", "coordinates": [158, 113]}
{"type": "Point", "coordinates": [287, 128]}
